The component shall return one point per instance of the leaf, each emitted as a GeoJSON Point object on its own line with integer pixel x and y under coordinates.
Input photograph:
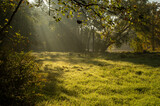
{"type": "Point", "coordinates": [63, 14]}
{"type": "Point", "coordinates": [78, 15]}
{"type": "Point", "coordinates": [70, 12]}
{"type": "Point", "coordinates": [6, 19]}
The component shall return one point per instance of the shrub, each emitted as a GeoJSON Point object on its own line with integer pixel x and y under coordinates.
{"type": "Point", "coordinates": [18, 78]}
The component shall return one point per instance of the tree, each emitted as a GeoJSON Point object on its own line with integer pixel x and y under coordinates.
{"type": "Point", "coordinates": [105, 16]}
{"type": "Point", "coordinates": [18, 77]}
{"type": "Point", "coordinates": [145, 22]}
{"type": "Point", "coordinates": [154, 25]}
{"type": "Point", "coordinates": [97, 13]}
{"type": "Point", "coordinates": [11, 18]}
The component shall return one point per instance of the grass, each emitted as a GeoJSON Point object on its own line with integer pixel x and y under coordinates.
{"type": "Point", "coordinates": [71, 79]}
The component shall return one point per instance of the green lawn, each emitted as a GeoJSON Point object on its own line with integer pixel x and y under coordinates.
{"type": "Point", "coordinates": [87, 80]}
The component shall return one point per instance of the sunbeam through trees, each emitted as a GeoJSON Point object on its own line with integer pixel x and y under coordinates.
{"type": "Point", "coordinates": [79, 52]}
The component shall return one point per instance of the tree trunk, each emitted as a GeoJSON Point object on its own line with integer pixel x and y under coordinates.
{"type": "Point", "coordinates": [49, 7]}
{"type": "Point", "coordinates": [88, 39]}
{"type": "Point", "coordinates": [153, 33]}
{"type": "Point", "coordinates": [15, 11]}
{"type": "Point", "coordinates": [93, 40]}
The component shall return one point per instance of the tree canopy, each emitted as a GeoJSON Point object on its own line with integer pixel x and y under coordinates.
{"type": "Point", "coordinates": [114, 19]}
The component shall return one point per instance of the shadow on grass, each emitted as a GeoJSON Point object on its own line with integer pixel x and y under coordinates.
{"type": "Point", "coordinates": [149, 59]}
{"type": "Point", "coordinates": [51, 84]}
{"type": "Point", "coordinates": [73, 58]}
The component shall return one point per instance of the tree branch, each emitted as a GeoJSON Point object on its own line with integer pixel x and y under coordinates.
{"type": "Point", "coordinates": [12, 16]}
{"type": "Point", "coordinates": [83, 4]}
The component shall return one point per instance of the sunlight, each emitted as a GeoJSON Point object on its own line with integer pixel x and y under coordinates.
{"type": "Point", "coordinates": [31, 1]}
{"type": "Point", "coordinates": [35, 1]}
{"type": "Point", "coordinates": [79, 52]}
{"type": "Point", "coordinates": [46, 2]}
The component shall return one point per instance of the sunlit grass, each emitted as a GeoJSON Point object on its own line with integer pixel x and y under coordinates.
{"type": "Point", "coordinates": [88, 80]}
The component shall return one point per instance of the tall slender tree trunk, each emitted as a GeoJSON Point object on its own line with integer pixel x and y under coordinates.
{"type": "Point", "coordinates": [153, 32]}
{"type": "Point", "coordinates": [82, 48]}
{"type": "Point", "coordinates": [88, 40]}
{"type": "Point", "coordinates": [93, 40]}
{"type": "Point", "coordinates": [153, 41]}
{"type": "Point", "coordinates": [49, 7]}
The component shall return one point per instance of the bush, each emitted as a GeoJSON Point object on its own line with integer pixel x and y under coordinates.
{"type": "Point", "coordinates": [136, 45]}
{"type": "Point", "coordinates": [18, 79]}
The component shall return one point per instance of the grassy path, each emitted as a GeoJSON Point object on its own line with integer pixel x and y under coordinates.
{"type": "Point", "coordinates": [114, 79]}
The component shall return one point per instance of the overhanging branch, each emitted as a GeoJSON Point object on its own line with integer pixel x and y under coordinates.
{"type": "Point", "coordinates": [10, 20]}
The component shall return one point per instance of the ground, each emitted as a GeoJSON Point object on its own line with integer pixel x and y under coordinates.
{"type": "Point", "coordinates": [99, 80]}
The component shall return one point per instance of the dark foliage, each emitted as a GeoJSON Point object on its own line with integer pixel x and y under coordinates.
{"type": "Point", "coordinates": [18, 79]}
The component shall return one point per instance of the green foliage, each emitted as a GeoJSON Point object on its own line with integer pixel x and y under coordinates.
{"type": "Point", "coordinates": [6, 7]}
{"type": "Point", "coordinates": [145, 20]}
{"type": "Point", "coordinates": [18, 79]}
{"type": "Point", "coordinates": [136, 44]}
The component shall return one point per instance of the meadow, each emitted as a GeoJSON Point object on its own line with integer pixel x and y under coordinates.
{"type": "Point", "coordinates": [111, 79]}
